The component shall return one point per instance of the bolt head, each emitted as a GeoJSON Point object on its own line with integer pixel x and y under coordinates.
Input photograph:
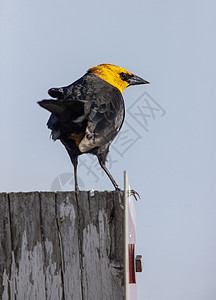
{"type": "Point", "coordinates": [139, 263]}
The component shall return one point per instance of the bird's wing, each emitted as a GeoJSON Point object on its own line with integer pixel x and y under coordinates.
{"type": "Point", "coordinates": [104, 120]}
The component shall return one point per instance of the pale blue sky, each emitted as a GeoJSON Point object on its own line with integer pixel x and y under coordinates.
{"type": "Point", "coordinates": [169, 43]}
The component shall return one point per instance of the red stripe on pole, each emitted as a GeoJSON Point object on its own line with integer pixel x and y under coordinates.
{"type": "Point", "coordinates": [131, 250]}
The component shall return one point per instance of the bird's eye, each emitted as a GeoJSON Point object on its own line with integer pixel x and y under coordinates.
{"type": "Point", "coordinates": [124, 76]}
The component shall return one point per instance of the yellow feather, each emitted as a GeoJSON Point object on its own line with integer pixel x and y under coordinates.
{"type": "Point", "coordinates": [111, 74]}
{"type": "Point", "coordinates": [77, 137]}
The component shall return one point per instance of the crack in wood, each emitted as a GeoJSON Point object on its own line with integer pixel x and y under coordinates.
{"type": "Point", "coordinates": [61, 249]}
{"type": "Point", "coordinates": [80, 237]}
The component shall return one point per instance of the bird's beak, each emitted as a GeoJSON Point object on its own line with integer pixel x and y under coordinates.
{"type": "Point", "coordinates": [137, 80]}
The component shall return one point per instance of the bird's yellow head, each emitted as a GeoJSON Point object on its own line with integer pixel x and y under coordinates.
{"type": "Point", "coordinates": [116, 76]}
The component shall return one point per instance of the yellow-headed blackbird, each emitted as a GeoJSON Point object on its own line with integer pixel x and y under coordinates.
{"type": "Point", "coordinates": [88, 114]}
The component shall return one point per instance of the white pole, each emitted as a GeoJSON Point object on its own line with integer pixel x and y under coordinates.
{"type": "Point", "coordinates": [126, 258]}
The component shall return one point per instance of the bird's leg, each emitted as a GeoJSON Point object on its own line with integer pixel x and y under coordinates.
{"type": "Point", "coordinates": [103, 166]}
{"type": "Point", "coordinates": [75, 179]}
{"type": "Point", "coordinates": [75, 163]}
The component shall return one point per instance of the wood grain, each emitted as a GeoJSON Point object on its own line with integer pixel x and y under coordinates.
{"type": "Point", "coordinates": [55, 247]}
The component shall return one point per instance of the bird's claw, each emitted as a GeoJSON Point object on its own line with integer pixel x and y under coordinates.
{"type": "Point", "coordinates": [134, 194]}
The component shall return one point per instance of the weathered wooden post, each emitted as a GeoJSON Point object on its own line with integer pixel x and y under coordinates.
{"type": "Point", "coordinates": [54, 247]}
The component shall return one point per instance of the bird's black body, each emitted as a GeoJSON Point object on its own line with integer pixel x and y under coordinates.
{"type": "Point", "coordinates": [100, 108]}
{"type": "Point", "coordinates": [88, 114]}
{"type": "Point", "coordinates": [91, 109]}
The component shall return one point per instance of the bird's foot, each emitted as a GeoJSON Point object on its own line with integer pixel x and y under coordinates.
{"type": "Point", "coordinates": [117, 188]}
{"type": "Point", "coordinates": [134, 194]}
{"type": "Point", "coordinates": [130, 193]}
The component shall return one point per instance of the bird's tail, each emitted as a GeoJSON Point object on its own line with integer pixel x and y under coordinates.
{"type": "Point", "coordinates": [67, 108]}
{"type": "Point", "coordinates": [66, 115]}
